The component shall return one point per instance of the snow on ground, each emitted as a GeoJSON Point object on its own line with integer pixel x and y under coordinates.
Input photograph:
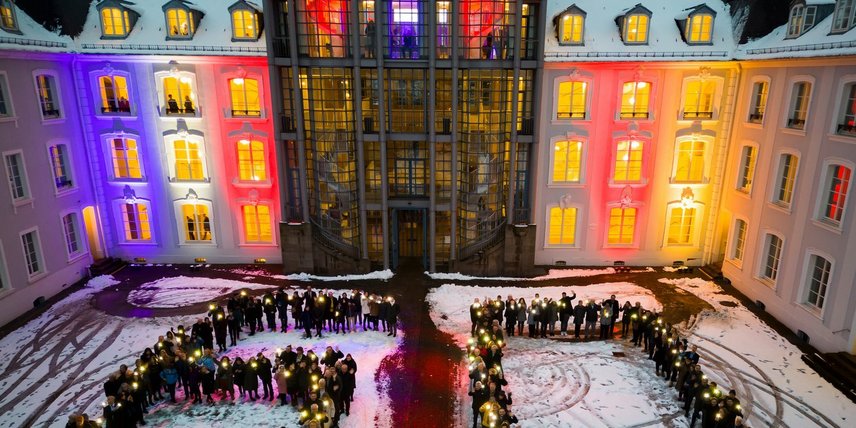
{"type": "Point", "coordinates": [183, 291]}
{"type": "Point", "coordinates": [381, 275]}
{"type": "Point", "coordinates": [759, 355]}
{"type": "Point", "coordinates": [551, 274]}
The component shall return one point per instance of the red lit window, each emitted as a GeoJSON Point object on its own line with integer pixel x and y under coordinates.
{"type": "Point", "coordinates": [837, 193]}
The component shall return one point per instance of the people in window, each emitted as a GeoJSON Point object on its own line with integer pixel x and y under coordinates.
{"type": "Point", "coordinates": [487, 46]}
{"type": "Point", "coordinates": [172, 104]}
{"type": "Point", "coordinates": [371, 30]}
{"type": "Point", "coordinates": [188, 105]}
{"type": "Point", "coordinates": [191, 228]}
{"type": "Point", "coordinates": [124, 105]}
{"type": "Point", "coordinates": [206, 228]}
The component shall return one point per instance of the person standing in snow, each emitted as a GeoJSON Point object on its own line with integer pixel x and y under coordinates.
{"type": "Point", "coordinates": [392, 317]}
{"type": "Point", "coordinates": [579, 318]}
{"type": "Point", "coordinates": [606, 320]}
{"type": "Point", "coordinates": [566, 307]}
{"type": "Point", "coordinates": [592, 310]}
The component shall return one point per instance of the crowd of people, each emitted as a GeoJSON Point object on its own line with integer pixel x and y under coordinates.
{"type": "Point", "coordinates": [321, 386]}
{"type": "Point", "coordinates": [675, 361]}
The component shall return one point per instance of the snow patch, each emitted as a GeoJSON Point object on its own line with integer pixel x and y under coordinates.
{"type": "Point", "coordinates": [101, 282]}
{"type": "Point", "coordinates": [551, 274]}
{"type": "Point", "coordinates": [184, 291]}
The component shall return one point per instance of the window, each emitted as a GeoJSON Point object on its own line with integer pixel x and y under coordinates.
{"type": "Point", "coordinates": [636, 29]}
{"type": "Point", "coordinates": [689, 162]}
{"type": "Point", "coordinates": [188, 164]}
{"type": "Point", "coordinates": [622, 226]}
{"type": "Point", "coordinates": [245, 97]}
{"type": "Point", "coordinates": [746, 174]}
{"type": "Point", "coordinates": [71, 230]}
{"type": "Point", "coordinates": [572, 100]}
{"type": "Point", "coordinates": [834, 202]}
{"type": "Point", "coordinates": [136, 222]}
{"type": "Point", "coordinates": [179, 98]}
{"type": "Point", "coordinates": [48, 96]}
{"type": "Point", "coordinates": [634, 100]}
{"type": "Point", "coordinates": [847, 121]}
{"type": "Point", "coordinates": [800, 20]}
{"type": "Point", "coordinates": [800, 98]}
{"type": "Point", "coordinates": [738, 240]}
{"type": "Point", "coordinates": [257, 226]}
{"type": "Point", "coordinates": [125, 154]}
{"type": "Point", "coordinates": [61, 166]}
{"type": "Point", "coordinates": [252, 165]}
{"type": "Point", "coordinates": [844, 16]}
{"type": "Point", "coordinates": [567, 161]}
{"type": "Point", "coordinates": [17, 175]}
{"type": "Point", "coordinates": [759, 101]}
{"type": "Point", "coordinates": [7, 16]}
{"type": "Point", "coordinates": [628, 161]}
{"type": "Point", "coordinates": [196, 223]}
{"type": "Point", "coordinates": [698, 99]}
{"type": "Point", "coordinates": [563, 225]}
{"type": "Point", "coordinates": [786, 177]}
{"type": "Point", "coordinates": [818, 280]}
{"type": "Point", "coordinates": [180, 23]}
{"type": "Point", "coordinates": [245, 25]}
{"type": "Point", "coordinates": [33, 252]}
{"type": "Point", "coordinates": [6, 109]}
{"type": "Point", "coordinates": [681, 222]}
{"type": "Point", "coordinates": [700, 28]}
{"type": "Point", "coordinates": [115, 22]}
{"type": "Point", "coordinates": [114, 95]}
{"type": "Point", "coordinates": [571, 29]}
{"type": "Point", "coordinates": [772, 257]}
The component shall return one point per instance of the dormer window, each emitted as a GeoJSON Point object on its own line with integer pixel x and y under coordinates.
{"type": "Point", "coordinates": [570, 26]}
{"type": "Point", "coordinates": [181, 20]}
{"type": "Point", "coordinates": [845, 15]}
{"type": "Point", "coordinates": [117, 19]}
{"type": "Point", "coordinates": [801, 19]}
{"type": "Point", "coordinates": [8, 21]}
{"type": "Point", "coordinates": [245, 21]}
{"type": "Point", "coordinates": [634, 25]}
{"type": "Point", "coordinates": [700, 28]}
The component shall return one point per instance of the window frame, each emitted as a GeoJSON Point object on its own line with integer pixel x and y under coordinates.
{"type": "Point", "coordinates": [643, 176]}
{"type": "Point", "coordinates": [38, 252]}
{"type": "Point", "coordinates": [716, 99]}
{"type": "Point", "coordinates": [572, 16]}
{"type": "Point", "coordinates": [742, 175]}
{"type": "Point", "coordinates": [100, 112]}
{"type": "Point", "coordinates": [696, 224]}
{"type": "Point", "coordinates": [107, 139]}
{"type": "Point", "coordinates": [120, 224]}
{"type": "Point", "coordinates": [237, 142]}
{"type": "Point", "coordinates": [690, 27]}
{"type": "Point", "coordinates": [181, 224]}
{"type": "Point", "coordinates": [775, 188]}
{"type": "Point", "coordinates": [7, 98]}
{"type": "Point", "coordinates": [763, 249]}
{"type": "Point", "coordinates": [582, 166]}
{"type": "Point", "coordinates": [576, 244]}
{"type": "Point", "coordinates": [171, 158]}
{"type": "Point", "coordinates": [847, 96]}
{"type": "Point", "coordinates": [625, 30]}
{"type": "Point", "coordinates": [70, 174]}
{"type": "Point", "coordinates": [56, 97]}
{"type": "Point", "coordinates": [789, 112]}
{"type": "Point", "coordinates": [734, 240]}
{"type": "Point", "coordinates": [82, 249]}
{"type": "Point", "coordinates": [649, 115]}
{"type": "Point", "coordinates": [125, 20]}
{"type": "Point", "coordinates": [190, 21]}
{"type": "Point", "coordinates": [5, 282]}
{"type": "Point", "coordinates": [838, 19]}
{"type": "Point", "coordinates": [705, 165]}
{"type": "Point", "coordinates": [824, 192]}
{"type": "Point", "coordinates": [27, 196]}
{"type": "Point", "coordinates": [244, 242]}
{"type": "Point", "coordinates": [808, 276]}
{"type": "Point", "coordinates": [13, 15]}
{"type": "Point", "coordinates": [587, 88]}
{"type": "Point", "coordinates": [634, 243]}
{"type": "Point", "coordinates": [751, 114]}
{"type": "Point", "coordinates": [163, 109]}
{"type": "Point", "coordinates": [240, 8]}
{"type": "Point", "coordinates": [230, 111]}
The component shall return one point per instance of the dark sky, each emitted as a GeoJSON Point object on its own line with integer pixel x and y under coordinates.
{"type": "Point", "coordinates": [65, 15]}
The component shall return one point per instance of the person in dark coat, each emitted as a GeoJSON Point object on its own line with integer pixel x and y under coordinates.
{"type": "Point", "coordinates": [265, 370]}
{"type": "Point", "coordinates": [221, 326]}
{"type": "Point", "coordinates": [318, 314]}
{"type": "Point", "coordinates": [579, 318]}
{"type": "Point", "coordinates": [269, 305]}
{"type": "Point", "coordinates": [251, 316]}
{"type": "Point", "coordinates": [194, 378]}
{"type": "Point", "coordinates": [306, 321]}
{"type": "Point", "coordinates": [226, 378]}
{"type": "Point", "coordinates": [251, 378]}
{"type": "Point", "coordinates": [392, 312]}
{"type": "Point", "coordinates": [331, 356]}
{"type": "Point", "coordinates": [384, 314]}
{"type": "Point", "coordinates": [238, 373]}
{"type": "Point", "coordinates": [480, 396]}
{"type": "Point", "coordinates": [592, 311]}
{"type": "Point", "coordinates": [282, 303]}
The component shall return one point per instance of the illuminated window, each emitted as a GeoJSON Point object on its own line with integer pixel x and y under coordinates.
{"type": "Point", "coordinates": [634, 100]}
{"type": "Point", "coordinates": [844, 16]}
{"type": "Point", "coordinates": [563, 225]}
{"type": "Point", "coordinates": [747, 169]}
{"type": "Point", "coordinates": [6, 109]}
{"type": "Point", "coordinates": [178, 95]}
{"type": "Point", "coordinates": [801, 20]}
{"type": "Point", "coordinates": [698, 99]}
{"type": "Point", "coordinates": [622, 226]}
{"type": "Point", "coordinates": [800, 97]}
{"type": "Point", "coordinates": [114, 95]}
{"type": "Point", "coordinates": [772, 257]}
{"type": "Point", "coordinates": [126, 159]}
{"type": "Point", "coordinates": [700, 28]}
{"type": "Point", "coordinates": [834, 201]}
{"type": "Point", "coordinates": [114, 22]}
{"type": "Point", "coordinates": [690, 161]}
{"type": "Point", "coordinates": [180, 23]}
{"type": "Point", "coordinates": [818, 280]}
{"type": "Point", "coordinates": [71, 231]}
{"type": "Point", "coordinates": [245, 25]}
{"type": "Point", "coordinates": [245, 97]}
{"type": "Point", "coordinates": [571, 29]}
{"type": "Point", "coordinates": [567, 161]}
{"type": "Point", "coordinates": [257, 226]}
{"type": "Point", "coordinates": [738, 240]}
{"type": "Point", "coordinates": [572, 100]}
{"type": "Point", "coordinates": [759, 101]}
{"type": "Point", "coordinates": [786, 178]}
{"type": "Point", "coordinates": [189, 156]}
{"type": "Point", "coordinates": [196, 222]}
{"type": "Point", "coordinates": [33, 252]}
{"type": "Point", "coordinates": [636, 29]}
{"type": "Point", "coordinates": [628, 161]}
{"type": "Point", "coordinates": [681, 223]}
{"type": "Point", "coordinates": [60, 166]}
{"type": "Point", "coordinates": [847, 119]}
{"type": "Point", "coordinates": [47, 90]}
{"type": "Point", "coordinates": [19, 185]}
{"type": "Point", "coordinates": [251, 160]}
{"type": "Point", "coordinates": [7, 16]}
{"type": "Point", "coordinates": [136, 222]}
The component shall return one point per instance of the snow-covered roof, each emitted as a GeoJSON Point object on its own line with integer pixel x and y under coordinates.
{"type": "Point", "coordinates": [33, 36]}
{"type": "Point", "coordinates": [816, 42]}
{"type": "Point", "coordinates": [602, 37]}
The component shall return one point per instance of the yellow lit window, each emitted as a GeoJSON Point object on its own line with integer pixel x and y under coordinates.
{"type": "Point", "coordinates": [180, 23]}
{"type": "Point", "coordinates": [114, 94]}
{"type": "Point", "coordinates": [188, 160]}
{"type": "Point", "coordinates": [245, 97]}
{"type": "Point", "coordinates": [251, 160]}
{"type": "Point", "coordinates": [571, 29]}
{"type": "Point", "coordinates": [126, 159]}
{"type": "Point", "coordinates": [567, 161]}
{"type": "Point", "coordinates": [698, 100]}
{"type": "Point", "coordinates": [563, 224]}
{"type": "Point", "coordinates": [700, 29]}
{"type": "Point", "coordinates": [628, 161]}
{"type": "Point", "coordinates": [245, 24]}
{"type": "Point", "coordinates": [690, 161]}
{"type": "Point", "coordinates": [681, 221]}
{"type": "Point", "coordinates": [572, 100]}
{"type": "Point", "coordinates": [7, 15]}
{"type": "Point", "coordinates": [634, 100]}
{"type": "Point", "coordinates": [196, 223]}
{"type": "Point", "coordinates": [622, 226]}
{"type": "Point", "coordinates": [114, 22]}
{"type": "Point", "coordinates": [179, 96]}
{"type": "Point", "coordinates": [135, 218]}
{"type": "Point", "coordinates": [257, 223]}
{"type": "Point", "coordinates": [636, 29]}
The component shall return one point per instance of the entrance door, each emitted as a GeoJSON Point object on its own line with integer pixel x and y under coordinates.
{"type": "Point", "coordinates": [93, 233]}
{"type": "Point", "coordinates": [409, 236]}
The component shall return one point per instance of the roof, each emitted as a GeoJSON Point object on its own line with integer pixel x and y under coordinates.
{"type": "Point", "coordinates": [816, 42]}
{"type": "Point", "coordinates": [33, 37]}
{"type": "Point", "coordinates": [602, 38]}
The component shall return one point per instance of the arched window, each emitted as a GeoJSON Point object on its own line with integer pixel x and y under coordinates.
{"type": "Point", "coordinates": [817, 280]}
{"type": "Point", "coordinates": [567, 161]}
{"type": "Point", "coordinates": [125, 156]}
{"type": "Point", "coordinates": [195, 222]}
{"type": "Point", "coordinates": [681, 224]}
{"type": "Point", "coordinates": [634, 100]}
{"type": "Point", "coordinates": [245, 97]}
{"type": "Point", "coordinates": [136, 221]}
{"type": "Point", "coordinates": [836, 185]}
{"type": "Point", "coordinates": [572, 100]}
{"type": "Point", "coordinates": [628, 161]}
{"type": "Point", "coordinates": [188, 157]}
{"type": "Point", "coordinates": [699, 98]}
{"type": "Point", "coordinates": [252, 164]}
{"type": "Point", "coordinates": [114, 95]}
{"type": "Point", "coordinates": [179, 98]}
{"type": "Point", "coordinates": [257, 224]}
{"type": "Point", "coordinates": [622, 226]}
{"type": "Point", "coordinates": [690, 161]}
{"type": "Point", "coordinates": [562, 226]}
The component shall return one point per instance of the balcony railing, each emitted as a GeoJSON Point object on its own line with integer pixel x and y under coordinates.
{"type": "Point", "coordinates": [571, 115]}
{"type": "Point", "coordinates": [50, 113]}
{"type": "Point", "coordinates": [246, 113]}
{"type": "Point", "coordinates": [796, 123]}
{"type": "Point", "coordinates": [634, 115]}
{"type": "Point", "coordinates": [62, 183]}
{"type": "Point", "coordinates": [756, 117]}
{"type": "Point", "coordinates": [698, 115]}
{"type": "Point", "coordinates": [116, 110]}
{"type": "Point", "coordinates": [176, 111]}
